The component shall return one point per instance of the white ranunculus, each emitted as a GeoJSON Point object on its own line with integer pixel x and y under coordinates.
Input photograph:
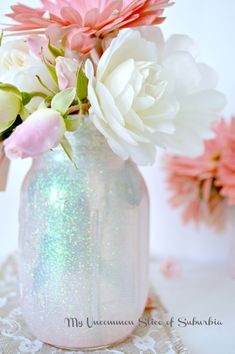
{"type": "Point", "coordinates": [193, 84]}
{"type": "Point", "coordinates": [147, 92]}
{"type": "Point", "coordinates": [127, 95]}
{"type": "Point", "coordinates": [19, 67]}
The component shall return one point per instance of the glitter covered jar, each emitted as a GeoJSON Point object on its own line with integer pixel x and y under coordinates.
{"type": "Point", "coordinates": [83, 247]}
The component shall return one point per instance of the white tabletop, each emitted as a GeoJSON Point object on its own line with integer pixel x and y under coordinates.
{"type": "Point", "coordinates": [201, 291]}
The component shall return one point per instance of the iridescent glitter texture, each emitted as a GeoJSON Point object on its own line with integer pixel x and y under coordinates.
{"type": "Point", "coordinates": [83, 244]}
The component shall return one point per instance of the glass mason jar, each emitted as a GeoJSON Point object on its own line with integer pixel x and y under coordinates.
{"type": "Point", "coordinates": [83, 245]}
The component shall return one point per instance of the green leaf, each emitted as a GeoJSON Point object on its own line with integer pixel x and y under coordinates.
{"type": "Point", "coordinates": [52, 70]}
{"type": "Point", "coordinates": [82, 84]}
{"type": "Point", "coordinates": [1, 38]}
{"type": "Point", "coordinates": [7, 129]}
{"type": "Point", "coordinates": [68, 149]}
{"type": "Point", "coordinates": [24, 113]}
{"type": "Point", "coordinates": [72, 122]}
{"type": "Point", "coordinates": [11, 89]}
{"type": "Point", "coordinates": [5, 126]}
{"type": "Point", "coordinates": [63, 43]}
{"type": "Point", "coordinates": [26, 98]}
{"type": "Point", "coordinates": [63, 100]}
{"type": "Point", "coordinates": [56, 52]}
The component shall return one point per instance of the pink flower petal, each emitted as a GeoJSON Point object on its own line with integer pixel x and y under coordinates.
{"type": "Point", "coordinates": [101, 17]}
{"type": "Point", "coordinates": [72, 17]}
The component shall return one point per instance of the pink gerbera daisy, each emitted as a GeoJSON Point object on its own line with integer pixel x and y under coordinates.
{"type": "Point", "coordinates": [195, 182]}
{"type": "Point", "coordinates": [83, 22]}
{"type": "Point", "coordinates": [227, 165]}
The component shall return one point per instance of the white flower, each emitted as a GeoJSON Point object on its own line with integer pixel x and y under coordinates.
{"type": "Point", "coordinates": [193, 84]}
{"type": "Point", "coordinates": [19, 67]}
{"type": "Point", "coordinates": [127, 97]}
{"type": "Point", "coordinates": [147, 93]}
{"type": "Point", "coordinates": [14, 56]}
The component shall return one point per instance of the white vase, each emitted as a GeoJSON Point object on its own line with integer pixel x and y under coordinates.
{"type": "Point", "coordinates": [83, 246]}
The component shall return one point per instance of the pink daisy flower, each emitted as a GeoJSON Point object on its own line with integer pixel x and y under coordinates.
{"type": "Point", "coordinates": [84, 22]}
{"type": "Point", "coordinates": [227, 166]}
{"type": "Point", "coordinates": [195, 182]}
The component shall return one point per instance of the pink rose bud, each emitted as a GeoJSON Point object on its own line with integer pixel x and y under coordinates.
{"type": "Point", "coordinates": [42, 131]}
{"type": "Point", "coordinates": [66, 70]}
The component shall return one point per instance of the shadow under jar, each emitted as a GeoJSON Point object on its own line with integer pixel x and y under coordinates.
{"type": "Point", "coordinates": [83, 245]}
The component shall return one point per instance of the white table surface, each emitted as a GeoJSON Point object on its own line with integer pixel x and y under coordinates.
{"type": "Point", "coordinates": [201, 290]}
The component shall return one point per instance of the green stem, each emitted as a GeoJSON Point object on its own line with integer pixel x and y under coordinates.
{"type": "Point", "coordinates": [81, 106]}
{"type": "Point", "coordinates": [1, 38]}
{"type": "Point", "coordinates": [73, 109]}
{"type": "Point", "coordinates": [44, 85]}
{"type": "Point", "coordinates": [38, 94]}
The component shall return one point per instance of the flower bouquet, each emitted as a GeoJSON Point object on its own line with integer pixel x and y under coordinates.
{"type": "Point", "coordinates": [89, 90]}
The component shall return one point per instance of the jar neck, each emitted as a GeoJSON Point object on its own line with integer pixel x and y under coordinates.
{"type": "Point", "coordinates": [86, 143]}
{"type": "Point", "coordinates": [87, 137]}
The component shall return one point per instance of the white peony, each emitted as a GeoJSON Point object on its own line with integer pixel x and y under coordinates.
{"type": "Point", "coordinates": [148, 93]}
{"type": "Point", "coordinates": [19, 67]}
{"type": "Point", "coordinates": [127, 97]}
{"type": "Point", "coordinates": [193, 84]}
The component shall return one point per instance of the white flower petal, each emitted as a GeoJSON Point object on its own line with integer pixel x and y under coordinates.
{"type": "Point", "coordinates": [137, 81]}
{"type": "Point", "coordinates": [112, 114]}
{"type": "Point", "coordinates": [181, 69]}
{"type": "Point", "coordinates": [133, 121]}
{"type": "Point", "coordinates": [179, 42]}
{"type": "Point", "coordinates": [209, 77]}
{"type": "Point", "coordinates": [89, 71]}
{"type": "Point", "coordinates": [157, 90]}
{"type": "Point", "coordinates": [119, 78]}
{"type": "Point", "coordinates": [204, 101]}
{"type": "Point", "coordinates": [154, 34]}
{"type": "Point", "coordinates": [144, 154]}
{"type": "Point", "coordinates": [199, 122]}
{"type": "Point", "coordinates": [143, 103]}
{"type": "Point", "coordinates": [125, 100]}
{"type": "Point", "coordinates": [187, 143]}
{"type": "Point", "coordinates": [127, 45]}
{"type": "Point", "coordinates": [113, 141]}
